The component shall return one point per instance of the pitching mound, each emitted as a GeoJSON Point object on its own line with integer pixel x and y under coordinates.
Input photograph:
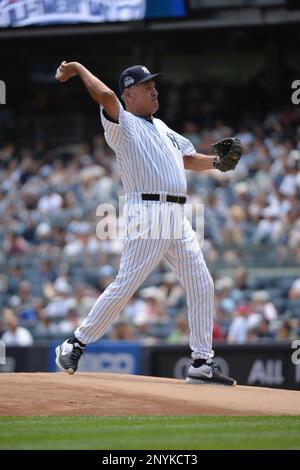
{"type": "Point", "coordinates": [101, 394]}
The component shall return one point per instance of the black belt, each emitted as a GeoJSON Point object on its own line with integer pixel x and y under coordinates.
{"type": "Point", "coordinates": [169, 198]}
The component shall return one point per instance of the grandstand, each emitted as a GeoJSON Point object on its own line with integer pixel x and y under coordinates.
{"type": "Point", "coordinates": [219, 79]}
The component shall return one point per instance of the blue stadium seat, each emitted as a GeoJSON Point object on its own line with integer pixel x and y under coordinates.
{"type": "Point", "coordinates": [280, 304]}
{"type": "Point", "coordinates": [293, 306]}
{"type": "Point", "coordinates": [160, 330]}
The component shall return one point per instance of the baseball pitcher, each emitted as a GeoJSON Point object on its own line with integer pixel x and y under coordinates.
{"type": "Point", "coordinates": [152, 160]}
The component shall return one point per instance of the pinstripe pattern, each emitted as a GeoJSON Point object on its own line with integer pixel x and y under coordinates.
{"type": "Point", "coordinates": [186, 260]}
{"type": "Point", "coordinates": [150, 160]}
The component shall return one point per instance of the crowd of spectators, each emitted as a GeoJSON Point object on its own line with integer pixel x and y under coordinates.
{"type": "Point", "coordinates": [53, 265]}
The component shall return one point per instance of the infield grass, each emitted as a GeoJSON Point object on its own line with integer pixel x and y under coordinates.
{"type": "Point", "coordinates": [150, 433]}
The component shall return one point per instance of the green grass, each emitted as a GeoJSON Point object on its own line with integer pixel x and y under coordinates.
{"type": "Point", "coordinates": [149, 433]}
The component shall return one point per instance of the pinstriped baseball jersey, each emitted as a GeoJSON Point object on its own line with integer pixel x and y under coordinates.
{"type": "Point", "coordinates": [148, 152]}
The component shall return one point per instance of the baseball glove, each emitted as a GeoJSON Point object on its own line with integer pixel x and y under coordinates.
{"type": "Point", "coordinates": [229, 152]}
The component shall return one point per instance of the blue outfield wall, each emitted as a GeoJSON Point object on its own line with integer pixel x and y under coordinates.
{"type": "Point", "coordinates": [106, 356]}
{"type": "Point", "coordinates": [267, 365]}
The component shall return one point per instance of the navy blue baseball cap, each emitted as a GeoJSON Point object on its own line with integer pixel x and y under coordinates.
{"type": "Point", "coordinates": [134, 75]}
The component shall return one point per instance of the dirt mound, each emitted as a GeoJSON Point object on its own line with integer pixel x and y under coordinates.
{"type": "Point", "coordinates": [101, 394]}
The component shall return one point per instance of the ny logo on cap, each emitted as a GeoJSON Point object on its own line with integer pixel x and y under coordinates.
{"type": "Point", "coordinates": [2, 92]}
{"type": "Point", "coordinates": [128, 81]}
{"type": "Point", "coordinates": [145, 69]}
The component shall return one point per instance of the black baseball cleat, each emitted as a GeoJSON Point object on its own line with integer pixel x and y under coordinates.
{"type": "Point", "coordinates": [207, 372]}
{"type": "Point", "coordinates": [68, 355]}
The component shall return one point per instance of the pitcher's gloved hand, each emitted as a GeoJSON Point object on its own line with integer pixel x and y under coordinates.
{"type": "Point", "coordinates": [229, 152]}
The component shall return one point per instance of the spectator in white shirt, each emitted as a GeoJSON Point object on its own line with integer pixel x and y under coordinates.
{"type": "Point", "coordinates": [15, 335]}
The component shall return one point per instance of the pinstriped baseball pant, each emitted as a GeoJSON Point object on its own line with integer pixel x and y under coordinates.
{"type": "Point", "coordinates": [139, 257]}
